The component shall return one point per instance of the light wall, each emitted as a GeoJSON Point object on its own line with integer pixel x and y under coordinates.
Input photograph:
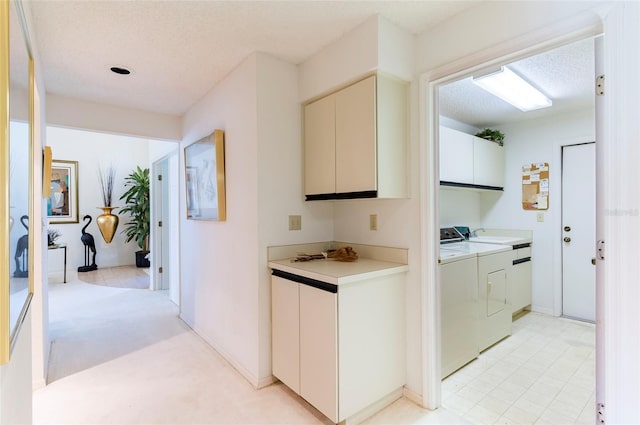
{"type": "Point", "coordinates": [527, 142]}
{"type": "Point", "coordinates": [15, 381]}
{"type": "Point", "coordinates": [93, 150]}
{"type": "Point", "coordinates": [225, 294]}
{"type": "Point", "coordinates": [75, 113]}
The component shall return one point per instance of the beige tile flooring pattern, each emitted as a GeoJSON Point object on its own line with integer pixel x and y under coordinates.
{"type": "Point", "coordinates": [117, 277]}
{"type": "Point", "coordinates": [544, 373]}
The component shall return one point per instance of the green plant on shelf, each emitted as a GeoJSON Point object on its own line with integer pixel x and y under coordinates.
{"type": "Point", "coordinates": [493, 135]}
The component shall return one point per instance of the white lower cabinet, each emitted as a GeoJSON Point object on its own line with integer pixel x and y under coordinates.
{"type": "Point", "coordinates": [494, 308]}
{"type": "Point", "coordinates": [285, 334]}
{"type": "Point", "coordinates": [520, 279]}
{"type": "Point", "coordinates": [319, 349]}
{"type": "Point", "coordinates": [351, 344]}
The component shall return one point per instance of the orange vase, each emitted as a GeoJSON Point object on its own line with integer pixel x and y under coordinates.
{"type": "Point", "coordinates": [107, 223]}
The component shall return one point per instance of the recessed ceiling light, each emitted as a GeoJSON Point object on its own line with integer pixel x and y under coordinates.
{"type": "Point", "coordinates": [120, 70]}
{"type": "Point", "coordinates": [512, 88]}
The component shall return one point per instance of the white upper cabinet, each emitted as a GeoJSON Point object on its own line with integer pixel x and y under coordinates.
{"type": "Point", "coordinates": [355, 142]}
{"type": "Point", "coordinates": [469, 161]}
{"type": "Point", "coordinates": [456, 156]}
{"type": "Point", "coordinates": [320, 152]}
{"type": "Point", "coordinates": [488, 163]}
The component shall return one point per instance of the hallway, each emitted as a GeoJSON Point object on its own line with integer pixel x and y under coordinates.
{"type": "Point", "coordinates": [123, 356]}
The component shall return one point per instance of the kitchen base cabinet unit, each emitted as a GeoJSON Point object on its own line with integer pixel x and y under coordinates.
{"type": "Point", "coordinates": [338, 339]}
{"type": "Point", "coordinates": [494, 309]}
{"type": "Point", "coordinates": [520, 280]}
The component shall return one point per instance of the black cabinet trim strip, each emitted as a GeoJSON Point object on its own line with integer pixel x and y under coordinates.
{"type": "Point", "coordinates": [347, 195]}
{"type": "Point", "coordinates": [329, 287]}
{"type": "Point", "coordinates": [521, 260]}
{"type": "Point", "coordinates": [470, 186]}
{"type": "Point", "coordinates": [522, 245]}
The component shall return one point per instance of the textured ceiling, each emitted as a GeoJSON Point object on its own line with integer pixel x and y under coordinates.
{"type": "Point", "coordinates": [566, 75]}
{"type": "Point", "coordinates": [179, 49]}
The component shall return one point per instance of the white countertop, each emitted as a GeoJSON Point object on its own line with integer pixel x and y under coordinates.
{"type": "Point", "coordinates": [338, 272]}
{"type": "Point", "coordinates": [502, 240]}
{"type": "Point", "coordinates": [461, 250]}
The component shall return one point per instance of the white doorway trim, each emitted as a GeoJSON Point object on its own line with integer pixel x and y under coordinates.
{"type": "Point", "coordinates": [558, 34]}
{"type": "Point", "coordinates": [159, 214]}
{"type": "Point", "coordinates": [168, 208]}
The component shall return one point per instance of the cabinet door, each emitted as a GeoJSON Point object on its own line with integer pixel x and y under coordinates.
{"type": "Point", "coordinates": [319, 147]}
{"type": "Point", "coordinates": [488, 163]}
{"type": "Point", "coordinates": [496, 292]}
{"type": "Point", "coordinates": [356, 137]}
{"type": "Point", "coordinates": [456, 156]}
{"type": "Point", "coordinates": [520, 286]}
{"type": "Point", "coordinates": [319, 350]}
{"type": "Point", "coordinates": [285, 335]}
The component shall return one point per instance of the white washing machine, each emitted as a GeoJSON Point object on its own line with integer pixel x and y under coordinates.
{"type": "Point", "coordinates": [458, 309]}
{"type": "Point", "coordinates": [473, 298]}
{"type": "Point", "coordinates": [458, 302]}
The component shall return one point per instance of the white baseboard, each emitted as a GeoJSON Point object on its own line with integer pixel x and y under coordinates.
{"type": "Point", "coordinates": [242, 370]}
{"type": "Point", "coordinates": [412, 396]}
{"type": "Point", "coordinates": [543, 310]}
{"type": "Point", "coordinates": [37, 384]}
{"type": "Point", "coordinates": [373, 408]}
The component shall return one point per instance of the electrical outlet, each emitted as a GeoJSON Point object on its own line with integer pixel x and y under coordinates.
{"type": "Point", "coordinates": [373, 222]}
{"type": "Point", "coordinates": [295, 222]}
{"type": "Point", "coordinates": [540, 217]}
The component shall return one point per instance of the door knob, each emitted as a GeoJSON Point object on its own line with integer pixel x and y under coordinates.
{"type": "Point", "coordinates": [567, 228]}
{"type": "Point", "coordinates": [567, 239]}
{"type": "Point", "coordinates": [593, 261]}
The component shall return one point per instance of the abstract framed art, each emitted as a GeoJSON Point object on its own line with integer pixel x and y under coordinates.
{"type": "Point", "coordinates": [205, 178]}
{"type": "Point", "coordinates": [62, 203]}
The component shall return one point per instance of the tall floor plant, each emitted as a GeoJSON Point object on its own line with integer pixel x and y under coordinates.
{"type": "Point", "coordinates": [137, 205]}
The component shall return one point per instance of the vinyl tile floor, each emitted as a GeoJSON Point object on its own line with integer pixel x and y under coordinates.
{"type": "Point", "coordinates": [544, 373]}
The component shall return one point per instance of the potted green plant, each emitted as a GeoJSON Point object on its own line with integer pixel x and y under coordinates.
{"type": "Point", "coordinates": [137, 205]}
{"type": "Point", "coordinates": [493, 135]}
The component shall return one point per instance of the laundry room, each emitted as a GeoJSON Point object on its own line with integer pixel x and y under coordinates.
{"type": "Point", "coordinates": [517, 219]}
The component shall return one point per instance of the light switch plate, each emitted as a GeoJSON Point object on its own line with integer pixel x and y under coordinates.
{"type": "Point", "coordinates": [295, 222]}
{"type": "Point", "coordinates": [373, 222]}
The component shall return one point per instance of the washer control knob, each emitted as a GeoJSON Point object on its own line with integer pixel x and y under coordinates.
{"type": "Point", "coordinates": [567, 239]}
{"type": "Point", "coordinates": [567, 228]}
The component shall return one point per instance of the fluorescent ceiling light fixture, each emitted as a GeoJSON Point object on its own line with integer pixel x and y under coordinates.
{"type": "Point", "coordinates": [511, 88]}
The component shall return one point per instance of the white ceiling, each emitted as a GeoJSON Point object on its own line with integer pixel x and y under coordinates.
{"type": "Point", "coordinates": [179, 49]}
{"type": "Point", "coordinates": [566, 75]}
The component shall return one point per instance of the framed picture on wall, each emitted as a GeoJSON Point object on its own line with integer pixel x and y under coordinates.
{"type": "Point", "coordinates": [62, 203]}
{"type": "Point", "coordinates": [205, 178]}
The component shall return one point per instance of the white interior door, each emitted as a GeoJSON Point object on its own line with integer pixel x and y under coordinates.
{"type": "Point", "coordinates": [578, 232]}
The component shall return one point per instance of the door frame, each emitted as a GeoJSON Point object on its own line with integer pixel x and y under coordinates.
{"type": "Point", "coordinates": [159, 167]}
{"type": "Point", "coordinates": [561, 33]}
{"type": "Point", "coordinates": [172, 223]}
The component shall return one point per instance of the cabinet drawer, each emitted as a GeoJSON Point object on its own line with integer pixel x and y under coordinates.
{"type": "Point", "coordinates": [523, 252]}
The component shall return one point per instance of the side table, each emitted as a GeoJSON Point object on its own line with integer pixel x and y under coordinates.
{"type": "Point", "coordinates": [62, 246]}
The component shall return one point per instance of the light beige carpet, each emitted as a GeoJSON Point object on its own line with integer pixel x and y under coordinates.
{"type": "Point", "coordinates": [122, 356]}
